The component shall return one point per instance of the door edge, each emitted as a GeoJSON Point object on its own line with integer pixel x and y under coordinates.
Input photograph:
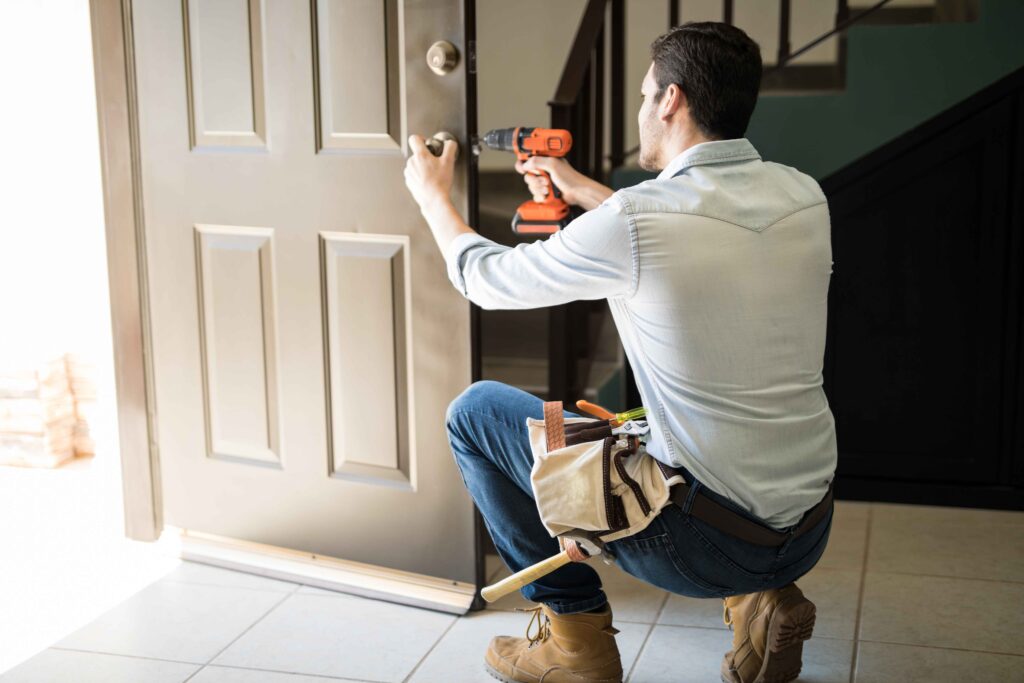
{"type": "Point", "coordinates": [117, 118]}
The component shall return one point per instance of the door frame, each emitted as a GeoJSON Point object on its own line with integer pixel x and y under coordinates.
{"type": "Point", "coordinates": [118, 119]}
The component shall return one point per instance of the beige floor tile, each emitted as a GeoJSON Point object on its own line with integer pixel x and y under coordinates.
{"type": "Point", "coordinates": [343, 636]}
{"type": "Point", "coordinates": [884, 662]}
{"type": "Point", "coordinates": [183, 622]}
{"type": "Point", "coordinates": [459, 656]}
{"type": "Point", "coordinates": [847, 541]}
{"type": "Point", "coordinates": [852, 509]}
{"type": "Point", "coordinates": [943, 612]}
{"type": "Point", "coordinates": [53, 665]}
{"type": "Point", "coordinates": [224, 674]}
{"type": "Point", "coordinates": [631, 599]}
{"type": "Point", "coordinates": [680, 654]}
{"type": "Point", "coordinates": [834, 593]}
{"type": "Point", "coordinates": [942, 541]}
{"type": "Point", "coordinates": [684, 611]}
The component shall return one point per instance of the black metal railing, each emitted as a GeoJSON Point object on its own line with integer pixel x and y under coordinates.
{"type": "Point", "coordinates": [578, 106]}
{"type": "Point", "coordinates": [785, 55]}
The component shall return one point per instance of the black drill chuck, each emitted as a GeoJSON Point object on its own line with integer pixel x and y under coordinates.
{"type": "Point", "coordinates": [503, 139]}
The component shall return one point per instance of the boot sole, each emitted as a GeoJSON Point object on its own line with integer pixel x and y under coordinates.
{"type": "Point", "coordinates": [791, 624]}
{"type": "Point", "coordinates": [497, 674]}
{"type": "Point", "coordinates": [502, 677]}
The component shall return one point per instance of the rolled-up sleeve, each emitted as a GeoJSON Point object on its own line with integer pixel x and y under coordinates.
{"type": "Point", "coordinates": [591, 258]}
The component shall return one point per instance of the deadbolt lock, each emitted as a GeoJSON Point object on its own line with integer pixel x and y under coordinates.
{"type": "Point", "coordinates": [442, 57]}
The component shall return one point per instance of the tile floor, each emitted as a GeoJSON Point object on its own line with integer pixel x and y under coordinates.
{"type": "Point", "coordinates": [904, 594]}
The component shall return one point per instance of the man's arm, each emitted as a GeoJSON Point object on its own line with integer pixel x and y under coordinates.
{"type": "Point", "coordinates": [592, 258]}
{"type": "Point", "coordinates": [575, 187]}
{"type": "Point", "coordinates": [429, 179]}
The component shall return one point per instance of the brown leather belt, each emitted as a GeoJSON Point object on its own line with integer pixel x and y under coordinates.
{"type": "Point", "coordinates": [724, 519]}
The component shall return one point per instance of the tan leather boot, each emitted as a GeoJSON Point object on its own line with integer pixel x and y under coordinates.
{"type": "Point", "coordinates": [769, 630]}
{"type": "Point", "coordinates": [566, 648]}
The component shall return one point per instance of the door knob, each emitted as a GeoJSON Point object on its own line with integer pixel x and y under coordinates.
{"type": "Point", "coordinates": [442, 57]}
{"type": "Point", "coordinates": [436, 143]}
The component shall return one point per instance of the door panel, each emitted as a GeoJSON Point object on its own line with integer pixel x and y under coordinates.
{"type": "Point", "coordinates": [237, 333]}
{"type": "Point", "coordinates": [358, 92]}
{"type": "Point", "coordinates": [224, 67]}
{"type": "Point", "coordinates": [306, 340]}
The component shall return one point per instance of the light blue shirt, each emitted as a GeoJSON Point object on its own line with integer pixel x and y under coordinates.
{"type": "Point", "coordinates": [716, 273]}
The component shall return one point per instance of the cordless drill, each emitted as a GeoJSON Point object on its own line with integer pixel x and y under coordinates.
{"type": "Point", "coordinates": [553, 213]}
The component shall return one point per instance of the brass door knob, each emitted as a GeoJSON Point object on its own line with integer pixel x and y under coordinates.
{"type": "Point", "coordinates": [436, 143]}
{"type": "Point", "coordinates": [442, 57]}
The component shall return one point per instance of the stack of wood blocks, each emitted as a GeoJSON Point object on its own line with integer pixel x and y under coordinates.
{"type": "Point", "coordinates": [45, 413]}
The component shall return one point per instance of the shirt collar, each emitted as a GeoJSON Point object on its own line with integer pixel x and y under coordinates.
{"type": "Point", "coordinates": [713, 152]}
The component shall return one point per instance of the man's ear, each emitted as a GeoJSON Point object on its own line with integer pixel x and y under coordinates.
{"type": "Point", "coordinates": [673, 100]}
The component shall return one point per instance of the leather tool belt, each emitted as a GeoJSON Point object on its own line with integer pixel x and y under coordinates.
{"type": "Point", "coordinates": [728, 521]}
{"type": "Point", "coordinates": [578, 454]}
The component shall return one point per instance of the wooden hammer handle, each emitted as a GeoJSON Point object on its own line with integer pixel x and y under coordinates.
{"type": "Point", "coordinates": [525, 576]}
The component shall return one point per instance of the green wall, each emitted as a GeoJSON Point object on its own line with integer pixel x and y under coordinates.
{"type": "Point", "coordinates": [897, 77]}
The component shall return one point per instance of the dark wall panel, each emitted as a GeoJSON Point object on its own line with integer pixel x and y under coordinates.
{"type": "Point", "coordinates": [922, 358]}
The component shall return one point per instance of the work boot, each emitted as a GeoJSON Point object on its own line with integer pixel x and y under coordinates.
{"type": "Point", "coordinates": [769, 630]}
{"type": "Point", "coordinates": [566, 648]}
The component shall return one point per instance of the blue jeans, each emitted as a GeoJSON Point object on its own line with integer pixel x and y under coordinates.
{"type": "Point", "coordinates": [677, 552]}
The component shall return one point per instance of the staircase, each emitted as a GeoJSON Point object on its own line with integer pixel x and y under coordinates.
{"type": "Point", "coordinates": [514, 344]}
{"type": "Point", "coordinates": [572, 351]}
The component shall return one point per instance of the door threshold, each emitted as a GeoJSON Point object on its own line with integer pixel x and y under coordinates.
{"type": "Point", "coordinates": [329, 573]}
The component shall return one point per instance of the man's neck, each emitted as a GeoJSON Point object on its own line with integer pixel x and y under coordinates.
{"type": "Point", "coordinates": [681, 141]}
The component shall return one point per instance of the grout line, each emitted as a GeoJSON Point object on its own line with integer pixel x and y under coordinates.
{"type": "Point", "coordinates": [949, 576]}
{"type": "Point", "coordinates": [647, 636]}
{"type": "Point", "coordinates": [860, 599]}
{"type": "Point", "coordinates": [431, 649]}
{"type": "Point", "coordinates": [291, 673]}
{"type": "Point", "coordinates": [121, 654]}
{"type": "Point", "coordinates": [250, 626]}
{"type": "Point", "coordinates": [940, 647]}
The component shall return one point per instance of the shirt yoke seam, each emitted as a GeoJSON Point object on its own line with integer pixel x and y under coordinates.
{"type": "Point", "coordinates": [725, 220]}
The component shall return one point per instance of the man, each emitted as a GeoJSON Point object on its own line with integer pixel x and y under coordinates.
{"type": "Point", "coordinates": [716, 273]}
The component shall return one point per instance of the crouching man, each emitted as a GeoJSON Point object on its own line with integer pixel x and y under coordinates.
{"type": "Point", "coordinates": [716, 274]}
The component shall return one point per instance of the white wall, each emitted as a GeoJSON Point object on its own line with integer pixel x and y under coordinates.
{"type": "Point", "coordinates": [521, 49]}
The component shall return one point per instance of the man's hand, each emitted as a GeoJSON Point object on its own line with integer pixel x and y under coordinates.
{"type": "Point", "coordinates": [575, 187]}
{"type": "Point", "coordinates": [429, 178]}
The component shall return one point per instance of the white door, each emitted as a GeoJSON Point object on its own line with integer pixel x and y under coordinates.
{"type": "Point", "coordinates": [306, 341]}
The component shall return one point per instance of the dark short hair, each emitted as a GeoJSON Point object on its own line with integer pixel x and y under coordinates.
{"type": "Point", "coordinates": [718, 66]}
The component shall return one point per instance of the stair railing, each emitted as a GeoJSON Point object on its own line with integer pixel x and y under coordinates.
{"type": "Point", "coordinates": [843, 21]}
{"type": "Point", "coordinates": [578, 106]}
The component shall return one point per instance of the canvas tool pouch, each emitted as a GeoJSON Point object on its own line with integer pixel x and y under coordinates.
{"type": "Point", "coordinates": [610, 486]}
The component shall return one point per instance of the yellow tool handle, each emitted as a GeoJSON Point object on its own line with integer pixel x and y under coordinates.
{"type": "Point", "coordinates": [525, 576]}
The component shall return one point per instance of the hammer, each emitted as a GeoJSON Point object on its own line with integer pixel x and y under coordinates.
{"type": "Point", "coordinates": [577, 549]}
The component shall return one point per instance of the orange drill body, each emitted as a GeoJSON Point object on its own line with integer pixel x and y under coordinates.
{"type": "Point", "coordinates": [553, 213]}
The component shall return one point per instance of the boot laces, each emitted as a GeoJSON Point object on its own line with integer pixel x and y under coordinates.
{"type": "Point", "coordinates": [543, 625]}
{"type": "Point", "coordinates": [726, 616]}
